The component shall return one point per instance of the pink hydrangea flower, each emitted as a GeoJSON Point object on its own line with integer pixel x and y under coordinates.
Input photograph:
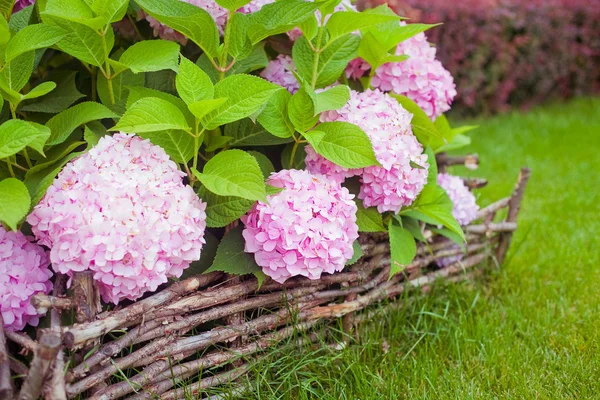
{"type": "Point", "coordinates": [345, 5]}
{"type": "Point", "coordinates": [23, 273]}
{"type": "Point", "coordinates": [306, 229]}
{"type": "Point", "coordinates": [218, 13]}
{"type": "Point", "coordinates": [279, 71]}
{"type": "Point", "coordinates": [465, 207]}
{"type": "Point", "coordinates": [125, 29]}
{"type": "Point", "coordinates": [396, 183]}
{"type": "Point", "coordinates": [123, 212]}
{"type": "Point", "coordinates": [21, 4]}
{"type": "Point", "coordinates": [421, 78]}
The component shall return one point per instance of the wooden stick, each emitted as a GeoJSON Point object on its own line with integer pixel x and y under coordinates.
{"type": "Point", "coordinates": [492, 227]}
{"type": "Point", "coordinates": [514, 205]}
{"type": "Point", "coordinates": [55, 388]}
{"type": "Point", "coordinates": [18, 367]}
{"type": "Point", "coordinates": [492, 208]}
{"type": "Point", "coordinates": [6, 389]}
{"type": "Point", "coordinates": [471, 161]}
{"type": "Point", "coordinates": [42, 302]}
{"type": "Point", "coordinates": [44, 356]}
{"type": "Point", "coordinates": [22, 340]}
{"type": "Point", "coordinates": [475, 183]}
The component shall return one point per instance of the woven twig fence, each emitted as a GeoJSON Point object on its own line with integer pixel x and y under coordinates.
{"type": "Point", "coordinates": [155, 342]}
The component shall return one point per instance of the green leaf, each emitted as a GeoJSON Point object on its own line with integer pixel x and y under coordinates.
{"type": "Point", "coordinates": [403, 248]}
{"type": "Point", "coordinates": [40, 90]}
{"type": "Point", "coordinates": [299, 156]}
{"type": "Point", "coordinates": [21, 18]}
{"type": "Point", "coordinates": [432, 172]}
{"type": "Point", "coordinates": [14, 202]}
{"type": "Point", "coordinates": [332, 99]}
{"type": "Point", "coordinates": [456, 238]}
{"type": "Point", "coordinates": [138, 93]}
{"type": "Point", "coordinates": [391, 34]}
{"type": "Point", "coordinates": [375, 53]}
{"type": "Point", "coordinates": [368, 219]}
{"type": "Point", "coordinates": [191, 21]}
{"type": "Point", "coordinates": [60, 99]}
{"type": "Point", "coordinates": [90, 137]}
{"type": "Point", "coordinates": [223, 210]}
{"type": "Point", "coordinates": [178, 144]}
{"type": "Point", "coordinates": [240, 46]}
{"type": "Point", "coordinates": [248, 133]}
{"type": "Point", "coordinates": [213, 140]}
{"type": "Point", "coordinates": [245, 95]}
{"type": "Point", "coordinates": [443, 126]}
{"type": "Point", "coordinates": [274, 118]}
{"type": "Point", "coordinates": [342, 23]}
{"type": "Point", "coordinates": [358, 253]}
{"type": "Point", "coordinates": [61, 125]}
{"type": "Point", "coordinates": [233, 173]}
{"type": "Point", "coordinates": [31, 38]}
{"type": "Point", "coordinates": [345, 144]}
{"type": "Point", "coordinates": [151, 114]}
{"type": "Point", "coordinates": [15, 74]}
{"type": "Point", "coordinates": [422, 127]}
{"type": "Point", "coordinates": [203, 107]}
{"type": "Point", "coordinates": [279, 17]}
{"type": "Point", "coordinates": [256, 60]}
{"type": "Point", "coordinates": [309, 27]}
{"type": "Point", "coordinates": [77, 11]}
{"type": "Point", "coordinates": [121, 85]}
{"type": "Point", "coordinates": [266, 166]}
{"type": "Point", "coordinates": [6, 7]}
{"type": "Point", "coordinates": [231, 257]}
{"type": "Point", "coordinates": [16, 134]}
{"type": "Point", "coordinates": [232, 4]}
{"type": "Point", "coordinates": [412, 225]}
{"type": "Point", "coordinates": [151, 55]}
{"type": "Point", "coordinates": [301, 110]}
{"type": "Point", "coordinates": [331, 63]}
{"type": "Point", "coordinates": [457, 142]}
{"type": "Point", "coordinates": [111, 10]}
{"type": "Point", "coordinates": [193, 84]}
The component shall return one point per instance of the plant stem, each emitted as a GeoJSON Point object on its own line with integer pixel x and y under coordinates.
{"type": "Point", "coordinates": [293, 153]}
{"type": "Point", "coordinates": [26, 155]}
{"type": "Point", "coordinates": [313, 82]}
{"type": "Point", "coordinates": [107, 74]}
{"type": "Point", "coordinates": [13, 110]}
{"type": "Point", "coordinates": [10, 169]}
{"type": "Point", "coordinates": [226, 38]}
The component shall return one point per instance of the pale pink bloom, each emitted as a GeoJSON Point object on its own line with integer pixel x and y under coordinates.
{"type": "Point", "coordinates": [23, 273]}
{"type": "Point", "coordinates": [396, 183]}
{"type": "Point", "coordinates": [464, 204]}
{"type": "Point", "coordinates": [279, 71]}
{"type": "Point", "coordinates": [306, 229]}
{"type": "Point", "coordinates": [123, 212]}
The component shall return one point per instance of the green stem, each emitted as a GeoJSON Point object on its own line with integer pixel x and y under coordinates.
{"type": "Point", "coordinates": [10, 168]}
{"type": "Point", "coordinates": [226, 38]}
{"type": "Point", "coordinates": [27, 159]}
{"type": "Point", "coordinates": [13, 110]}
{"type": "Point", "coordinates": [293, 153]}
{"type": "Point", "coordinates": [313, 82]}
{"type": "Point", "coordinates": [197, 144]}
{"type": "Point", "coordinates": [107, 72]}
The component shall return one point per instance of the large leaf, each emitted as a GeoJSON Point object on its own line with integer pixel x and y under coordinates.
{"type": "Point", "coordinates": [403, 248]}
{"type": "Point", "coordinates": [137, 93]}
{"type": "Point", "coordinates": [332, 99]}
{"type": "Point", "coordinates": [375, 53]}
{"type": "Point", "coordinates": [223, 210]}
{"type": "Point", "coordinates": [342, 23]}
{"type": "Point", "coordinates": [151, 114]}
{"type": "Point", "coordinates": [233, 173]}
{"type": "Point", "coordinates": [16, 134]}
{"type": "Point", "coordinates": [422, 127]}
{"type": "Point", "coordinates": [248, 133]}
{"type": "Point", "coordinates": [301, 110]}
{"type": "Point", "coordinates": [111, 10]}
{"type": "Point", "coordinates": [14, 202]}
{"type": "Point", "coordinates": [245, 95]}
{"type": "Point", "coordinates": [31, 38]}
{"type": "Point", "coordinates": [274, 118]}
{"type": "Point", "coordinates": [60, 99]}
{"type": "Point", "coordinates": [179, 145]}
{"type": "Point", "coordinates": [15, 74]}
{"type": "Point", "coordinates": [231, 257]}
{"type": "Point", "coordinates": [279, 17]}
{"type": "Point", "coordinates": [191, 21]}
{"type": "Point", "coordinates": [75, 11]}
{"type": "Point", "coordinates": [151, 55]}
{"type": "Point", "coordinates": [368, 219]}
{"type": "Point", "coordinates": [193, 84]}
{"type": "Point", "coordinates": [61, 125]}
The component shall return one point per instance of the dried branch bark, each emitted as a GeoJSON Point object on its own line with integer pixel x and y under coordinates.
{"type": "Point", "coordinates": [6, 388]}
{"type": "Point", "coordinates": [42, 302]}
{"type": "Point", "coordinates": [55, 388]}
{"type": "Point", "coordinates": [44, 356]}
{"type": "Point", "coordinates": [492, 227]}
{"type": "Point", "coordinates": [22, 340]}
{"type": "Point", "coordinates": [471, 161]}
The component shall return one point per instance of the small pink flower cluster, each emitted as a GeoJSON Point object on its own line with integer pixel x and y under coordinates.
{"type": "Point", "coordinates": [465, 207]}
{"type": "Point", "coordinates": [306, 229]}
{"type": "Point", "coordinates": [396, 183]}
{"type": "Point", "coordinates": [279, 71]}
{"type": "Point", "coordinates": [218, 13]}
{"type": "Point", "coordinates": [23, 273]}
{"type": "Point", "coordinates": [422, 78]}
{"type": "Point", "coordinates": [123, 212]}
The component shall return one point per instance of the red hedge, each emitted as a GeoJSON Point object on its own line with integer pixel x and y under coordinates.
{"type": "Point", "coordinates": [506, 53]}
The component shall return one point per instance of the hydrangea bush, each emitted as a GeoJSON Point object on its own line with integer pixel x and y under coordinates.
{"type": "Point", "coordinates": [135, 134]}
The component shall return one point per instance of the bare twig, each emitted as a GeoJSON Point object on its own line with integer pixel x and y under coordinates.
{"type": "Point", "coordinates": [46, 351]}
{"type": "Point", "coordinates": [55, 388]}
{"type": "Point", "coordinates": [42, 302]}
{"type": "Point", "coordinates": [6, 389]}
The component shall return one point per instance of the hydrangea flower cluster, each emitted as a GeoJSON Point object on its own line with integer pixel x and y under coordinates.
{"type": "Point", "coordinates": [306, 229]}
{"type": "Point", "coordinates": [345, 5]}
{"type": "Point", "coordinates": [279, 71]}
{"type": "Point", "coordinates": [421, 78]}
{"type": "Point", "coordinates": [23, 273]}
{"type": "Point", "coordinates": [123, 212]}
{"type": "Point", "coordinates": [396, 183]}
{"type": "Point", "coordinates": [218, 13]}
{"type": "Point", "coordinates": [465, 207]}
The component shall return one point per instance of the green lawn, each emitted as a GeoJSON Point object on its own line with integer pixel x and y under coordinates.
{"type": "Point", "coordinates": [531, 330]}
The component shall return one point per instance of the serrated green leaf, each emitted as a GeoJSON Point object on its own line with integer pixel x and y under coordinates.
{"type": "Point", "coordinates": [457, 142]}
{"type": "Point", "coordinates": [257, 59]}
{"type": "Point", "coordinates": [14, 202]}
{"type": "Point", "coordinates": [456, 238]}
{"type": "Point", "coordinates": [245, 95]}
{"type": "Point", "coordinates": [266, 166]}
{"type": "Point", "coordinates": [332, 99]}
{"type": "Point", "coordinates": [231, 257]}
{"type": "Point", "coordinates": [77, 11]}
{"type": "Point", "coordinates": [432, 172]}
{"type": "Point", "coordinates": [121, 85]}
{"type": "Point", "coordinates": [62, 124]}
{"type": "Point", "coordinates": [422, 127]}
{"type": "Point", "coordinates": [279, 17]}
{"type": "Point", "coordinates": [178, 144]}
{"type": "Point", "coordinates": [309, 27]}
{"type": "Point", "coordinates": [193, 22]}
{"type": "Point", "coordinates": [232, 4]}
{"type": "Point", "coordinates": [274, 118]}
{"type": "Point", "coordinates": [342, 23]}
{"type": "Point", "coordinates": [248, 133]}
{"type": "Point", "coordinates": [358, 253]}
{"type": "Point", "coordinates": [233, 173]}
{"type": "Point", "coordinates": [301, 110]}
{"type": "Point", "coordinates": [403, 248]}
{"type": "Point", "coordinates": [203, 107]}
{"type": "Point", "coordinates": [111, 10]}
{"type": "Point", "coordinates": [151, 55]}
{"type": "Point", "coordinates": [60, 99]}
{"type": "Point", "coordinates": [345, 144]}
{"type": "Point", "coordinates": [412, 225]}
{"type": "Point", "coordinates": [16, 134]}
{"type": "Point", "coordinates": [137, 93]}
{"type": "Point", "coordinates": [390, 34]}
{"type": "Point", "coordinates": [20, 19]}
{"type": "Point", "coordinates": [151, 114]}
{"type": "Point", "coordinates": [240, 46]}
{"type": "Point", "coordinates": [368, 219]}
{"type": "Point", "coordinates": [223, 210]}
{"type": "Point", "coordinates": [193, 84]}
{"type": "Point", "coordinates": [31, 38]}
{"type": "Point", "coordinates": [16, 73]}
{"type": "Point", "coordinates": [90, 137]}
{"type": "Point", "coordinates": [375, 53]}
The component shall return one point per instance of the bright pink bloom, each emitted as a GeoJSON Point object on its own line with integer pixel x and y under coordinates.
{"type": "Point", "coordinates": [279, 71]}
{"type": "Point", "coordinates": [123, 212]}
{"type": "Point", "coordinates": [421, 78]}
{"type": "Point", "coordinates": [306, 229]}
{"type": "Point", "coordinates": [23, 273]}
{"type": "Point", "coordinates": [465, 207]}
{"type": "Point", "coordinates": [396, 183]}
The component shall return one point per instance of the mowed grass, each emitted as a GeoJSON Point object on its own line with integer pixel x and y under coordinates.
{"type": "Point", "coordinates": [530, 330]}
